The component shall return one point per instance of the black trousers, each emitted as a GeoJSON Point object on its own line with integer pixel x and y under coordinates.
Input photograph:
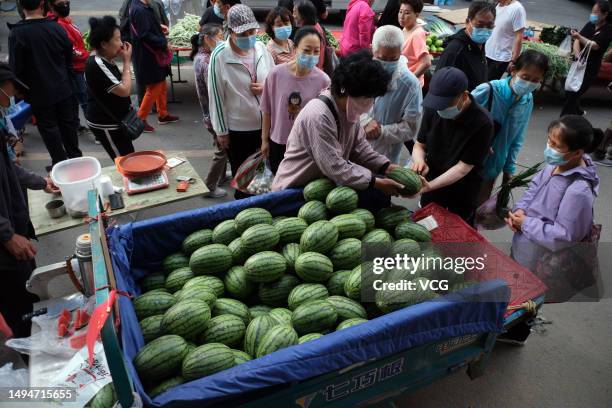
{"type": "Point", "coordinates": [241, 146]}
{"type": "Point", "coordinates": [495, 69]}
{"type": "Point", "coordinates": [373, 199]}
{"type": "Point", "coordinates": [15, 301]}
{"type": "Point", "coordinates": [58, 125]}
{"type": "Point", "coordinates": [277, 153]}
{"type": "Point", "coordinates": [122, 145]}
{"type": "Point", "coordinates": [572, 99]}
{"type": "Point", "coordinates": [462, 201]}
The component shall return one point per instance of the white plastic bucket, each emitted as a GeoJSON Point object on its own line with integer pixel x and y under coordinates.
{"type": "Point", "coordinates": [75, 177]}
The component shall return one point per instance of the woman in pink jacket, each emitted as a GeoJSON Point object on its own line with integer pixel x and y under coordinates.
{"type": "Point", "coordinates": [358, 27]}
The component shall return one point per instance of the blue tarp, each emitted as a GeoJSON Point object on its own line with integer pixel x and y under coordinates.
{"type": "Point", "coordinates": [139, 248]}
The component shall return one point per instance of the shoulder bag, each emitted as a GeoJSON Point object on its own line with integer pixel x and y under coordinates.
{"type": "Point", "coordinates": [131, 125]}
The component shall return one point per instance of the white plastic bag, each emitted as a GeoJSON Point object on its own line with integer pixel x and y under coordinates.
{"type": "Point", "coordinates": [575, 76]}
{"type": "Point", "coordinates": [262, 182]}
{"type": "Point", "coordinates": [565, 48]}
{"type": "Point", "coordinates": [10, 378]}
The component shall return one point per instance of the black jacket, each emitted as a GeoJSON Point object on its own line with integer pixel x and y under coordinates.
{"type": "Point", "coordinates": [463, 53]}
{"type": "Point", "coordinates": [40, 55]}
{"type": "Point", "coordinates": [146, 36]}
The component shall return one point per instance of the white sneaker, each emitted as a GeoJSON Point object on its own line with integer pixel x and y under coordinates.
{"type": "Point", "coordinates": [226, 179]}
{"type": "Point", "coordinates": [216, 193]}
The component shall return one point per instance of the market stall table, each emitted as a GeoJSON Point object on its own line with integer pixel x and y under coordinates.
{"type": "Point", "coordinates": [176, 51]}
{"type": "Point", "coordinates": [44, 224]}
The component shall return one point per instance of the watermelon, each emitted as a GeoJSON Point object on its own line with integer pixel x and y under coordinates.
{"type": "Point", "coordinates": [252, 216]}
{"type": "Point", "coordinates": [200, 292]}
{"type": "Point", "coordinates": [197, 240]}
{"type": "Point", "coordinates": [266, 266]}
{"type": "Point", "coordinates": [278, 218]}
{"type": "Point", "coordinates": [191, 347]}
{"type": "Point", "coordinates": [239, 253]}
{"type": "Point", "coordinates": [406, 246]}
{"type": "Point", "coordinates": [240, 356]}
{"type": "Point", "coordinates": [390, 300]}
{"type": "Point", "coordinates": [153, 303]}
{"type": "Point", "coordinates": [313, 211]}
{"type": "Point", "coordinates": [306, 292]}
{"type": "Point", "coordinates": [366, 216]}
{"type": "Point", "coordinates": [412, 230]}
{"type": "Point", "coordinates": [237, 283]}
{"type": "Point", "coordinates": [291, 252]}
{"type": "Point", "coordinates": [105, 398]}
{"type": "Point", "coordinates": [177, 278]}
{"type": "Point", "coordinates": [227, 329]}
{"type": "Point", "coordinates": [259, 310]}
{"type": "Point", "coordinates": [320, 237]}
{"type": "Point", "coordinates": [161, 289]}
{"type": "Point", "coordinates": [232, 307]}
{"type": "Point", "coordinates": [308, 337]}
{"type": "Point", "coordinates": [214, 283]}
{"type": "Point", "coordinates": [349, 226]}
{"type": "Point", "coordinates": [335, 284]}
{"type": "Point", "coordinates": [388, 218]}
{"type": "Point", "coordinates": [161, 358]}
{"type": "Point", "coordinates": [225, 232]}
{"type": "Point", "coordinates": [347, 308]}
{"type": "Point", "coordinates": [377, 236]}
{"type": "Point", "coordinates": [457, 287]}
{"type": "Point", "coordinates": [175, 261]}
{"type": "Point", "coordinates": [211, 259]}
{"type": "Point", "coordinates": [281, 315]}
{"type": "Point", "coordinates": [290, 229]}
{"type": "Point", "coordinates": [206, 360]}
{"type": "Point", "coordinates": [259, 238]}
{"type": "Point", "coordinates": [151, 328]}
{"type": "Point", "coordinates": [276, 293]}
{"type": "Point", "coordinates": [346, 254]}
{"type": "Point", "coordinates": [314, 316]}
{"type": "Point", "coordinates": [341, 200]}
{"type": "Point", "coordinates": [351, 322]}
{"type": "Point", "coordinates": [153, 281]}
{"type": "Point", "coordinates": [313, 267]}
{"type": "Point", "coordinates": [318, 189]}
{"type": "Point", "coordinates": [255, 332]}
{"type": "Point", "coordinates": [188, 319]}
{"type": "Point", "coordinates": [278, 337]}
{"type": "Point", "coordinates": [166, 385]}
{"type": "Point", "coordinates": [407, 178]}
{"type": "Point", "coordinates": [352, 285]}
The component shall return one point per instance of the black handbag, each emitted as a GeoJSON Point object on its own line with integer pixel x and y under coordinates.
{"type": "Point", "coordinates": [131, 125]}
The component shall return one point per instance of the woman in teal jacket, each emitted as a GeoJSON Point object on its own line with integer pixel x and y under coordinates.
{"type": "Point", "coordinates": [510, 102]}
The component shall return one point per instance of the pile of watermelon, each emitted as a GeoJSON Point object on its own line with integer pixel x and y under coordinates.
{"type": "Point", "coordinates": [256, 284]}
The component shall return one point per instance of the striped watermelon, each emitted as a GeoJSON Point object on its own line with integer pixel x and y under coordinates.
{"type": "Point", "coordinates": [225, 232]}
{"type": "Point", "coordinates": [252, 216]}
{"type": "Point", "coordinates": [159, 290]}
{"type": "Point", "coordinates": [346, 254]}
{"type": "Point", "coordinates": [407, 178]}
{"type": "Point", "coordinates": [457, 287]}
{"type": "Point", "coordinates": [313, 211]}
{"type": "Point", "coordinates": [406, 246]}
{"type": "Point", "coordinates": [366, 216]}
{"type": "Point", "coordinates": [335, 284]}
{"type": "Point", "coordinates": [281, 315]}
{"type": "Point", "coordinates": [290, 229]}
{"type": "Point", "coordinates": [237, 283]}
{"type": "Point", "coordinates": [151, 328]}
{"type": "Point", "coordinates": [259, 310]}
{"type": "Point", "coordinates": [206, 360]}
{"type": "Point", "coordinates": [291, 252]}
{"type": "Point", "coordinates": [318, 189]}
{"type": "Point", "coordinates": [165, 386]}
{"type": "Point", "coordinates": [320, 237]}
{"type": "Point", "coordinates": [377, 236]}
{"type": "Point", "coordinates": [161, 358]}
{"type": "Point", "coordinates": [212, 282]}
{"type": "Point", "coordinates": [313, 267]}
{"type": "Point", "coordinates": [306, 292]}
{"type": "Point", "coordinates": [200, 292]}
{"type": "Point", "coordinates": [105, 398]}
{"type": "Point", "coordinates": [278, 337]}
{"type": "Point", "coordinates": [347, 308]}
{"type": "Point", "coordinates": [175, 261]}
{"type": "Point", "coordinates": [227, 329]}
{"type": "Point", "coordinates": [309, 337]}
{"type": "Point", "coordinates": [191, 346]}
{"type": "Point", "coordinates": [349, 226]}
{"type": "Point", "coordinates": [177, 278]}
{"type": "Point", "coordinates": [153, 281]}
{"type": "Point", "coordinates": [211, 259]}
{"type": "Point", "coordinates": [352, 286]}
{"type": "Point", "coordinates": [351, 322]}
{"type": "Point", "coordinates": [276, 293]}
{"type": "Point", "coordinates": [240, 357]}
{"type": "Point", "coordinates": [153, 303]}
{"type": "Point", "coordinates": [259, 238]}
{"type": "Point", "coordinates": [225, 306]}
{"type": "Point", "coordinates": [278, 218]}
{"type": "Point", "coordinates": [388, 218]}
{"type": "Point", "coordinates": [341, 200]}
{"type": "Point", "coordinates": [266, 266]}
{"type": "Point", "coordinates": [187, 318]}
{"type": "Point", "coordinates": [412, 230]}
{"type": "Point", "coordinates": [255, 332]}
{"type": "Point", "coordinates": [314, 316]}
{"type": "Point", "coordinates": [239, 253]}
{"type": "Point", "coordinates": [197, 240]}
{"type": "Point", "coordinates": [390, 300]}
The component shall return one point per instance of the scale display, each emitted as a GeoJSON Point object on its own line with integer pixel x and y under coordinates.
{"type": "Point", "coordinates": [142, 184]}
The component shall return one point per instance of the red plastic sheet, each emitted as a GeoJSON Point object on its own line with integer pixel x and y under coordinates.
{"type": "Point", "coordinates": [523, 284]}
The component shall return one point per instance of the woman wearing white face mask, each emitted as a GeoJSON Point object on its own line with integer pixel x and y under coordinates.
{"type": "Point", "coordinates": [288, 88]}
{"type": "Point", "coordinates": [510, 102]}
{"type": "Point", "coordinates": [279, 26]}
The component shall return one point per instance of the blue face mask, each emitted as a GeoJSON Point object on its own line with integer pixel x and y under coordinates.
{"type": "Point", "coordinates": [450, 113]}
{"type": "Point", "coordinates": [480, 35]}
{"type": "Point", "coordinates": [283, 33]}
{"type": "Point", "coordinates": [246, 43]}
{"type": "Point", "coordinates": [307, 61]}
{"type": "Point", "coordinates": [554, 157]}
{"type": "Point", "coordinates": [389, 66]}
{"type": "Point", "coordinates": [594, 18]}
{"type": "Point", "coordinates": [217, 11]}
{"type": "Point", "coordinates": [522, 87]}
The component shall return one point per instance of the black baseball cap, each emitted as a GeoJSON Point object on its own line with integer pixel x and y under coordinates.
{"type": "Point", "coordinates": [446, 84]}
{"type": "Point", "coordinates": [6, 74]}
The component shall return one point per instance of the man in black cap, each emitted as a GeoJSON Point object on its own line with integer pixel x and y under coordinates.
{"type": "Point", "coordinates": [16, 250]}
{"type": "Point", "coordinates": [452, 144]}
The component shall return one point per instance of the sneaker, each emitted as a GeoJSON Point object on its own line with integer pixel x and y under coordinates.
{"type": "Point", "coordinates": [604, 162]}
{"type": "Point", "coordinates": [97, 141]}
{"type": "Point", "coordinates": [148, 128]}
{"type": "Point", "coordinates": [167, 119]}
{"type": "Point", "coordinates": [227, 178]}
{"type": "Point", "coordinates": [216, 193]}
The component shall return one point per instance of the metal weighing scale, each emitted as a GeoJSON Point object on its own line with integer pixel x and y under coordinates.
{"type": "Point", "coordinates": [143, 171]}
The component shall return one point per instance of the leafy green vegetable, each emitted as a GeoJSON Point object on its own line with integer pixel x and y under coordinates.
{"type": "Point", "coordinates": [180, 34]}
{"type": "Point", "coordinates": [558, 66]}
{"type": "Point", "coordinates": [505, 190]}
{"type": "Point", "coordinates": [554, 35]}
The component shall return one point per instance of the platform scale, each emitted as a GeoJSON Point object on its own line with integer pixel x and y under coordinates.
{"type": "Point", "coordinates": [143, 171]}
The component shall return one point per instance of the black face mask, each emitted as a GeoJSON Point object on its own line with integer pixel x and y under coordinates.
{"type": "Point", "coordinates": [63, 9]}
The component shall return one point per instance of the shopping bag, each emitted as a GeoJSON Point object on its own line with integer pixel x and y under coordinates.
{"type": "Point", "coordinates": [575, 76]}
{"type": "Point", "coordinates": [488, 216]}
{"type": "Point", "coordinates": [247, 171]}
{"type": "Point", "coordinates": [565, 48]}
{"type": "Point", "coordinates": [262, 182]}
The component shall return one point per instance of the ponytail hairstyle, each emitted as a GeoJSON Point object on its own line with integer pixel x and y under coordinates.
{"type": "Point", "coordinates": [196, 40]}
{"type": "Point", "coordinates": [577, 133]}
